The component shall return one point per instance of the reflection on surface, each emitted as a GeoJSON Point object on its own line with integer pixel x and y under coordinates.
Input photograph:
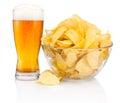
{"type": "Point", "coordinates": [88, 91]}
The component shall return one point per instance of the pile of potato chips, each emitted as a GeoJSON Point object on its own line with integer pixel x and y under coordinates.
{"type": "Point", "coordinates": [76, 48]}
{"type": "Point", "coordinates": [76, 33]}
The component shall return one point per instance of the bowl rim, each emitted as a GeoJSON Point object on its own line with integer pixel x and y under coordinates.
{"type": "Point", "coordinates": [78, 48]}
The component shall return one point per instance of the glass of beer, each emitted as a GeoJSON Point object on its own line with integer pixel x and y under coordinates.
{"type": "Point", "coordinates": [27, 28]}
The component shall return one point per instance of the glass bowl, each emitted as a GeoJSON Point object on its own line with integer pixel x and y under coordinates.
{"type": "Point", "coordinates": [76, 63]}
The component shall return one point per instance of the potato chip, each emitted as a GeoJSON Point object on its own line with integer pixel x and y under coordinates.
{"type": "Point", "coordinates": [50, 32]}
{"type": "Point", "coordinates": [81, 25]}
{"type": "Point", "coordinates": [61, 72]}
{"type": "Point", "coordinates": [94, 28]}
{"type": "Point", "coordinates": [105, 43]}
{"type": "Point", "coordinates": [95, 44]}
{"type": "Point", "coordinates": [64, 43]}
{"type": "Point", "coordinates": [59, 32]}
{"type": "Point", "coordinates": [80, 44]}
{"type": "Point", "coordinates": [60, 63]}
{"type": "Point", "coordinates": [83, 68]}
{"type": "Point", "coordinates": [65, 52]}
{"type": "Point", "coordinates": [47, 38]}
{"type": "Point", "coordinates": [95, 59]}
{"type": "Point", "coordinates": [48, 77]}
{"type": "Point", "coordinates": [64, 37]}
{"type": "Point", "coordinates": [68, 23]}
{"type": "Point", "coordinates": [104, 37]}
{"type": "Point", "coordinates": [104, 40]}
{"type": "Point", "coordinates": [90, 37]}
{"type": "Point", "coordinates": [73, 35]}
{"type": "Point", "coordinates": [71, 58]}
{"type": "Point", "coordinates": [105, 53]}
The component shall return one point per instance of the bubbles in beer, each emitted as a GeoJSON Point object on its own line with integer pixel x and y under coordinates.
{"type": "Point", "coordinates": [28, 12]}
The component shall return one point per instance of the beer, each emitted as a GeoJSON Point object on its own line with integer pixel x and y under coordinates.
{"type": "Point", "coordinates": [27, 39]}
{"type": "Point", "coordinates": [28, 28]}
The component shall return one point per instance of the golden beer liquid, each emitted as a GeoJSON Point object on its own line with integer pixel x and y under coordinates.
{"type": "Point", "coordinates": [27, 35]}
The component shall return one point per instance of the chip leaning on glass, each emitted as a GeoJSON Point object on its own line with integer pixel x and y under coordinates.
{"type": "Point", "coordinates": [76, 49]}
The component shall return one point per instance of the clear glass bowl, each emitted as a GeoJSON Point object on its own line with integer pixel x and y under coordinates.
{"type": "Point", "coordinates": [76, 63]}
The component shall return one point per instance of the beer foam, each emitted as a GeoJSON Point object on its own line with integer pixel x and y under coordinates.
{"type": "Point", "coordinates": [27, 12]}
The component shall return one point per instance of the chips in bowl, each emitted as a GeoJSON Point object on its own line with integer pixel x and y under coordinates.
{"type": "Point", "coordinates": [76, 48]}
{"type": "Point", "coordinates": [75, 32]}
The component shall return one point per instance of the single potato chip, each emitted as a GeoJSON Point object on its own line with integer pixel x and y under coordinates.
{"type": "Point", "coordinates": [80, 44]}
{"type": "Point", "coordinates": [60, 63]}
{"type": "Point", "coordinates": [95, 44]}
{"type": "Point", "coordinates": [81, 25]}
{"type": "Point", "coordinates": [58, 33]}
{"type": "Point", "coordinates": [105, 53]}
{"type": "Point", "coordinates": [95, 59]}
{"type": "Point", "coordinates": [90, 38]}
{"type": "Point", "coordinates": [64, 37]}
{"type": "Point", "coordinates": [83, 68]}
{"type": "Point", "coordinates": [104, 37]}
{"type": "Point", "coordinates": [94, 28]}
{"type": "Point", "coordinates": [105, 43]}
{"type": "Point", "coordinates": [71, 57]}
{"type": "Point", "coordinates": [104, 40]}
{"type": "Point", "coordinates": [48, 77]}
{"type": "Point", "coordinates": [73, 35]}
{"type": "Point", "coordinates": [64, 43]}
{"type": "Point", "coordinates": [68, 23]}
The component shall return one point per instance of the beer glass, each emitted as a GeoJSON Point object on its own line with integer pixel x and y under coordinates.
{"type": "Point", "coordinates": [27, 28]}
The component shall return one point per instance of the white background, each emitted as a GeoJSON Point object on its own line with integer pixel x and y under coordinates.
{"type": "Point", "coordinates": [104, 88]}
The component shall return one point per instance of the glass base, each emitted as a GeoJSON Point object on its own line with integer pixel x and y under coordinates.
{"type": "Point", "coordinates": [27, 76]}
